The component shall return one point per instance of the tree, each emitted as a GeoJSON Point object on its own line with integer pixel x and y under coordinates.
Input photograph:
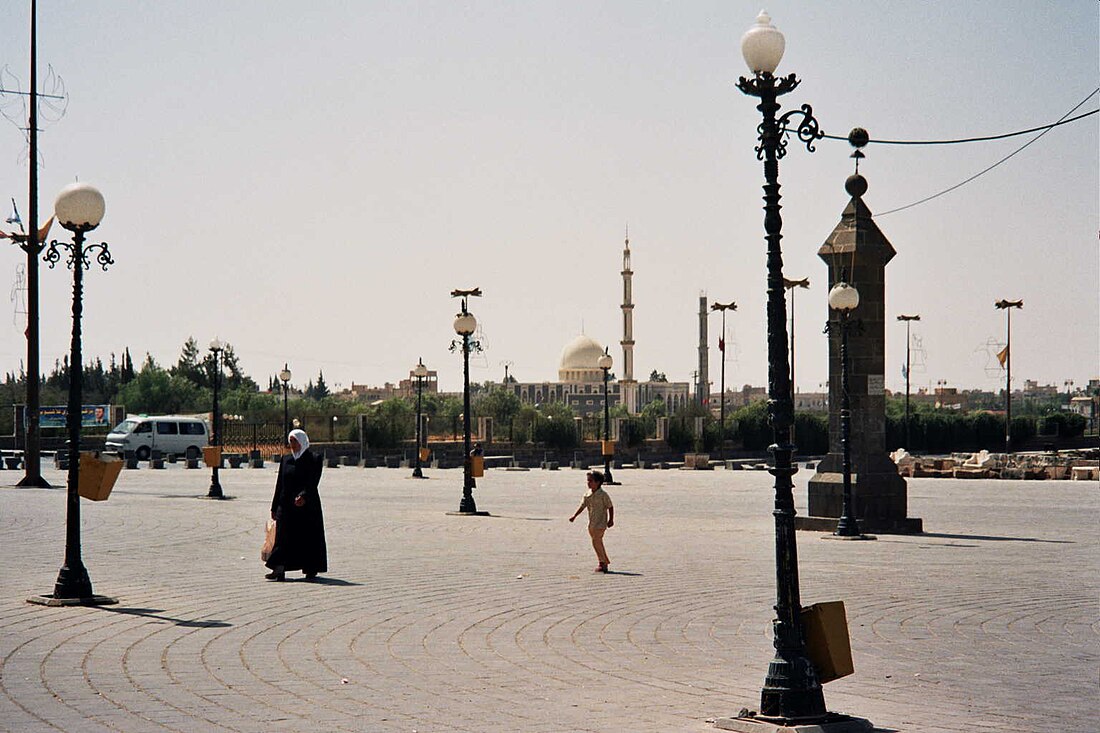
{"type": "Point", "coordinates": [189, 365]}
{"type": "Point", "coordinates": [320, 390]}
{"type": "Point", "coordinates": [500, 405]}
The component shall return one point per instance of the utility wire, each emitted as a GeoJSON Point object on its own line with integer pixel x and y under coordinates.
{"type": "Point", "coordinates": [1045, 129]}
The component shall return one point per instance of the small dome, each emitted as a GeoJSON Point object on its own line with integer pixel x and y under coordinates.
{"type": "Point", "coordinates": [580, 360]}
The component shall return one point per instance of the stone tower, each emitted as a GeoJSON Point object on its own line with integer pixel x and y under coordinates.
{"type": "Point", "coordinates": [703, 385]}
{"type": "Point", "coordinates": [628, 387]}
{"type": "Point", "coordinates": [857, 253]}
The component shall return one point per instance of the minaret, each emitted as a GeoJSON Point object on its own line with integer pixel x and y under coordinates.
{"type": "Point", "coordinates": [628, 388]}
{"type": "Point", "coordinates": [702, 387]}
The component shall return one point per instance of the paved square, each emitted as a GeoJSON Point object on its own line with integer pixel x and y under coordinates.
{"type": "Point", "coordinates": [428, 622]}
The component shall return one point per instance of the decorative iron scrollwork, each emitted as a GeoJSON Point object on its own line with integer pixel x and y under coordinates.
{"type": "Point", "coordinates": [808, 130]}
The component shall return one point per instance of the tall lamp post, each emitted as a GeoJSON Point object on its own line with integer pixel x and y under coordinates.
{"type": "Point", "coordinates": [465, 324]}
{"type": "Point", "coordinates": [790, 285]}
{"type": "Point", "coordinates": [284, 377]}
{"type": "Point", "coordinates": [791, 688]}
{"type": "Point", "coordinates": [1006, 361]}
{"type": "Point", "coordinates": [908, 365]}
{"type": "Point", "coordinates": [79, 208]}
{"type": "Point", "coordinates": [844, 298]}
{"type": "Point", "coordinates": [419, 371]}
{"type": "Point", "coordinates": [723, 307]}
{"type": "Point", "coordinates": [216, 348]}
{"type": "Point", "coordinates": [606, 448]}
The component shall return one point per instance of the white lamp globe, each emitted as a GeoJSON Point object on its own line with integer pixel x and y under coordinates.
{"type": "Point", "coordinates": [843, 297]}
{"type": "Point", "coordinates": [420, 371]}
{"type": "Point", "coordinates": [79, 206]}
{"type": "Point", "coordinates": [762, 45]}
{"type": "Point", "coordinates": [284, 375]}
{"type": "Point", "coordinates": [216, 345]}
{"type": "Point", "coordinates": [465, 324]}
{"type": "Point", "coordinates": [604, 362]}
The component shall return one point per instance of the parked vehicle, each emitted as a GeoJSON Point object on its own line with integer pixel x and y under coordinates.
{"type": "Point", "coordinates": [169, 434]}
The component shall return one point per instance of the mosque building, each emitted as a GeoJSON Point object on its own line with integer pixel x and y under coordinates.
{"type": "Point", "coordinates": [580, 379]}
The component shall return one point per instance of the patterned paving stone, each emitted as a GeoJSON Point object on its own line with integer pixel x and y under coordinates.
{"type": "Point", "coordinates": [430, 622]}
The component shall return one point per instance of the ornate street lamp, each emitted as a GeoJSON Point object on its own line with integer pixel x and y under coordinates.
{"type": "Point", "coordinates": [284, 377]}
{"type": "Point", "coordinates": [1005, 358]}
{"type": "Point", "coordinates": [419, 371]}
{"type": "Point", "coordinates": [465, 324]}
{"type": "Point", "coordinates": [844, 298]}
{"type": "Point", "coordinates": [216, 348]}
{"type": "Point", "coordinates": [791, 690]}
{"type": "Point", "coordinates": [79, 208]}
{"type": "Point", "coordinates": [723, 307]}
{"type": "Point", "coordinates": [604, 363]}
{"type": "Point", "coordinates": [908, 364]}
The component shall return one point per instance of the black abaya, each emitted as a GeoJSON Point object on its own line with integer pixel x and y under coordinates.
{"type": "Point", "coordinates": [299, 530]}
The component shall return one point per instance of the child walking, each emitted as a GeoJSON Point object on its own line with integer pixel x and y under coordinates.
{"type": "Point", "coordinates": [601, 516]}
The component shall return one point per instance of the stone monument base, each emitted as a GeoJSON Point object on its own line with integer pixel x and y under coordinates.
{"type": "Point", "coordinates": [880, 495]}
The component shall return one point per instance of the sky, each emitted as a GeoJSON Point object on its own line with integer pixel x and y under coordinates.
{"type": "Point", "coordinates": [309, 181]}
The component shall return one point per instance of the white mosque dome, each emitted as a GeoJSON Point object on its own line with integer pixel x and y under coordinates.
{"type": "Point", "coordinates": [580, 361]}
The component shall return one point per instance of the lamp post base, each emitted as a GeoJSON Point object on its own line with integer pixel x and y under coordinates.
{"type": "Point", "coordinates": [89, 601]}
{"type": "Point", "coordinates": [848, 537]}
{"type": "Point", "coordinates": [417, 473]}
{"type": "Point", "coordinates": [34, 482]}
{"type": "Point", "coordinates": [749, 722]}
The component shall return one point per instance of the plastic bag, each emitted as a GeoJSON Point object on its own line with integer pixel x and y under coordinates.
{"type": "Point", "coordinates": [269, 540]}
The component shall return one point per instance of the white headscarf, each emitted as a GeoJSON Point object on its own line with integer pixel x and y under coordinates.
{"type": "Point", "coordinates": [303, 441]}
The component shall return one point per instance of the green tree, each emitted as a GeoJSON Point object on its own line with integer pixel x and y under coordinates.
{"type": "Point", "coordinates": [502, 406]}
{"type": "Point", "coordinates": [190, 364]}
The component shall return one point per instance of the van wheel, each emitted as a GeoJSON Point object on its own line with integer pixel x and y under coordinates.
{"type": "Point", "coordinates": [192, 453]}
{"type": "Point", "coordinates": [143, 453]}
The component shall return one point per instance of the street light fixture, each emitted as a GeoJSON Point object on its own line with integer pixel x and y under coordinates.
{"type": "Point", "coordinates": [465, 324]}
{"type": "Point", "coordinates": [844, 298]}
{"type": "Point", "coordinates": [284, 377]}
{"type": "Point", "coordinates": [792, 691]}
{"type": "Point", "coordinates": [216, 348]}
{"type": "Point", "coordinates": [420, 372]}
{"type": "Point", "coordinates": [723, 307]}
{"type": "Point", "coordinates": [606, 448]}
{"type": "Point", "coordinates": [79, 208]}
{"type": "Point", "coordinates": [908, 320]}
{"type": "Point", "coordinates": [1005, 358]}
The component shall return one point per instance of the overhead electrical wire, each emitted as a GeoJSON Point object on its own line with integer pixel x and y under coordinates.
{"type": "Point", "coordinates": [1042, 129]}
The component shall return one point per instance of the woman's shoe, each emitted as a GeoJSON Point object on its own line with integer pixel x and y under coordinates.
{"type": "Point", "coordinates": [311, 576]}
{"type": "Point", "coordinates": [276, 575]}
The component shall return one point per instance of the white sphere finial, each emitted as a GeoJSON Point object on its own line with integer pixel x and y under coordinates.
{"type": "Point", "coordinates": [762, 45]}
{"type": "Point", "coordinates": [79, 206]}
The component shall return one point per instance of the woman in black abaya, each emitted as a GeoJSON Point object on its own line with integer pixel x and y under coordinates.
{"type": "Point", "coordinates": [296, 509]}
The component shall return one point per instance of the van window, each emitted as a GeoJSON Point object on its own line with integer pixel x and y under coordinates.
{"type": "Point", "coordinates": [167, 428]}
{"type": "Point", "coordinates": [192, 428]}
{"type": "Point", "coordinates": [145, 427]}
{"type": "Point", "coordinates": [125, 426]}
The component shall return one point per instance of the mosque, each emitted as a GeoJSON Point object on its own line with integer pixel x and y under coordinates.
{"type": "Point", "coordinates": [580, 379]}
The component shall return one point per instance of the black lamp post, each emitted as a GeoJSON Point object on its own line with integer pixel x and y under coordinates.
{"type": "Point", "coordinates": [908, 366]}
{"type": "Point", "coordinates": [284, 377]}
{"type": "Point", "coordinates": [216, 348]}
{"type": "Point", "coordinates": [844, 298]}
{"type": "Point", "coordinates": [791, 285]}
{"type": "Point", "coordinates": [1006, 361]}
{"type": "Point", "coordinates": [606, 448]}
{"type": "Point", "coordinates": [791, 690]}
{"type": "Point", "coordinates": [419, 371]}
{"type": "Point", "coordinates": [723, 307]}
{"type": "Point", "coordinates": [79, 208]}
{"type": "Point", "coordinates": [465, 324]}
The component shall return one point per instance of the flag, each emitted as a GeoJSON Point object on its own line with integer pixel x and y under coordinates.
{"type": "Point", "coordinates": [721, 344]}
{"type": "Point", "coordinates": [1002, 356]}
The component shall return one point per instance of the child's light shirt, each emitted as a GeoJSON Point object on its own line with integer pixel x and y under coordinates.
{"type": "Point", "coordinates": [597, 502]}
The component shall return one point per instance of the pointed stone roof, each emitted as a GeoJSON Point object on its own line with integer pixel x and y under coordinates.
{"type": "Point", "coordinates": [857, 232]}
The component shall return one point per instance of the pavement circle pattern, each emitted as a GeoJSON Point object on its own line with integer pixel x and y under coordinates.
{"type": "Point", "coordinates": [436, 623]}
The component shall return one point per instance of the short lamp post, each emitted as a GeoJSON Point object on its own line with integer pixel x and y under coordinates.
{"type": "Point", "coordinates": [1006, 361]}
{"type": "Point", "coordinates": [908, 366]}
{"type": "Point", "coordinates": [420, 372]}
{"type": "Point", "coordinates": [723, 307]}
{"type": "Point", "coordinates": [216, 348]}
{"type": "Point", "coordinates": [844, 298]}
{"type": "Point", "coordinates": [79, 208]}
{"type": "Point", "coordinates": [792, 691]}
{"type": "Point", "coordinates": [465, 325]}
{"type": "Point", "coordinates": [606, 448]}
{"type": "Point", "coordinates": [284, 377]}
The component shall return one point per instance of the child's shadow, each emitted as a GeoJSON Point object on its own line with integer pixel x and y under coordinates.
{"type": "Point", "coordinates": [622, 572]}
